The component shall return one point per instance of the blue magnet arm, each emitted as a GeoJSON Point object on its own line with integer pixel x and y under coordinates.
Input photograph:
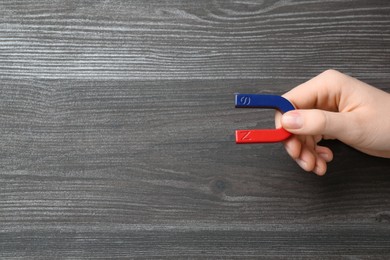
{"type": "Point", "coordinates": [265, 101]}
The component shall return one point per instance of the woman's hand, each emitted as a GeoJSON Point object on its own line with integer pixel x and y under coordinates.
{"type": "Point", "coordinates": [335, 106]}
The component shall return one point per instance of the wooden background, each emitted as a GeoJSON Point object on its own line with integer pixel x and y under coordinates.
{"type": "Point", "coordinates": [117, 120]}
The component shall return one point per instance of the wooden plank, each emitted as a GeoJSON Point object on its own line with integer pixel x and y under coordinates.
{"type": "Point", "coordinates": [194, 241]}
{"type": "Point", "coordinates": [201, 40]}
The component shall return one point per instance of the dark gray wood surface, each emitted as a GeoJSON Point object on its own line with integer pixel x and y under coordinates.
{"type": "Point", "coordinates": [117, 122]}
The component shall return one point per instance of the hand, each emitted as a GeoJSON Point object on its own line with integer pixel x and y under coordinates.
{"type": "Point", "coordinates": [335, 106]}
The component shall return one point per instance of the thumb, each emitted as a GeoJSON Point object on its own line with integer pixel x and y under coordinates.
{"type": "Point", "coordinates": [317, 122]}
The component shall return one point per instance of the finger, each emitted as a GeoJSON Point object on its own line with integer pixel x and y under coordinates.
{"type": "Point", "coordinates": [323, 91]}
{"type": "Point", "coordinates": [317, 138]}
{"type": "Point", "coordinates": [342, 126]}
{"type": "Point", "coordinates": [278, 118]}
{"type": "Point", "coordinates": [293, 147]}
{"type": "Point", "coordinates": [325, 153]}
{"type": "Point", "coordinates": [320, 168]}
{"type": "Point", "coordinates": [309, 142]}
{"type": "Point", "coordinates": [307, 159]}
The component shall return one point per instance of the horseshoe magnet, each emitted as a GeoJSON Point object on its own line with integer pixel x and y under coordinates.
{"type": "Point", "coordinates": [262, 101]}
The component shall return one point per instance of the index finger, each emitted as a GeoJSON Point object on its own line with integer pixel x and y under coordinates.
{"type": "Point", "coordinates": [321, 92]}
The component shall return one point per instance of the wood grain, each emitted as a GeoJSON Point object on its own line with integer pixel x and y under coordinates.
{"type": "Point", "coordinates": [201, 40]}
{"type": "Point", "coordinates": [117, 122]}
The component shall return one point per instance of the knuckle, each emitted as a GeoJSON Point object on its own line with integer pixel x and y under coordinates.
{"type": "Point", "coordinates": [332, 73]}
{"type": "Point", "coordinates": [334, 80]}
{"type": "Point", "coordinates": [321, 118]}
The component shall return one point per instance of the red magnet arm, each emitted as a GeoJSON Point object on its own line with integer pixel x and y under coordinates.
{"type": "Point", "coordinates": [262, 135]}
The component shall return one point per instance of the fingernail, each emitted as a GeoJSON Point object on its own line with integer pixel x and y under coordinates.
{"type": "Point", "coordinates": [301, 163]}
{"type": "Point", "coordinates": [292, 120]}
{"type": "Point", "coordinates": [319, 171]}
{"type": "Point", "coordinates": [324, 156]}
